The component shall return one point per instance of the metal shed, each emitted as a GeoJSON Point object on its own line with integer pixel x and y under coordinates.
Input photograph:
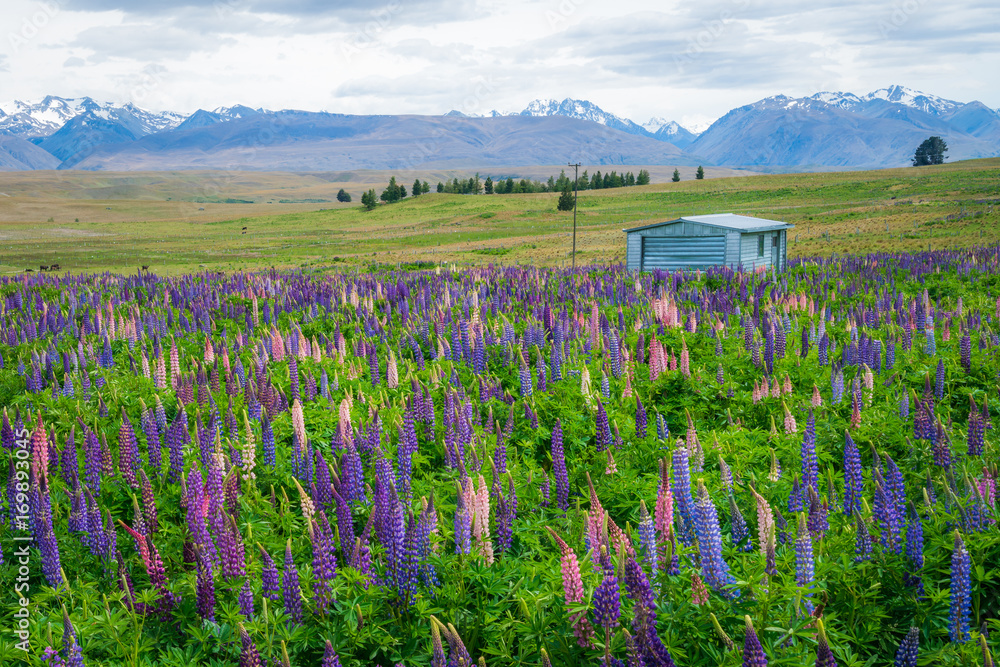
{"type": "Point", "coordinates": [701, 241]}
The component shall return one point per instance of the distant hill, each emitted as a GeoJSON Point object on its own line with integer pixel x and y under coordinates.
{"type": "Point", "coordinates": [303, 141]}
{"type": "Point", "coordinates": [827, 130]}
{"type": "Point", "coordinates": [824, 131]}
{"type": "Point", "coordinates": [17, 154]}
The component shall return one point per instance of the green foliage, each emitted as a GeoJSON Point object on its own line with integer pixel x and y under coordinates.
{"type": "Point", "coordinates": [343, 195]}
{"type": "Point", "coordinates": [700, 174]}
{"type": "Point", "coordinates": [930, 151]}
{"type": "Point", "coordinates": [566, 199]}
{"type": "Point", "coordinates": [677, 176]}
{"type": "Point", "coordinates": [369, 201]}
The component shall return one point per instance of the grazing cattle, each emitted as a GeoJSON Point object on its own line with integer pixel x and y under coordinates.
{"type": "Point", "coordinates": [29, 270]}
{"type": "Point", "coordinates": [54, 267]}
{"type": "Point", "coordinates": [145, 268]}
{"type": "Point", "coordinates": [244, 229]}
{"type": "Point", "coordinates": [43, 268]}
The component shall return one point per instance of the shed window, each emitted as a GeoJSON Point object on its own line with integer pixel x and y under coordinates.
{"type": "Point", "coordinates": [760, 245]}
{"type": "Point", "coordinates": [774, 241]}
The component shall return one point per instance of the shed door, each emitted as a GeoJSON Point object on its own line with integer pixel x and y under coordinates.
{"type": "Point", "coordinates": [682, 252]}
{"type": "Point", "coordinates": [776, 251]}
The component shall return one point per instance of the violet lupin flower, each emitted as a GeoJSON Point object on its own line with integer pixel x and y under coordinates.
{"type": "Point", "coordinates": [249, 655]}
{"type": "Point", "coordinates": [270, 586]}
{"type": "Point", "coordinates": [641, 420]}
{"type": "Point", "coordinates": [804, 560]}
{"type": "Point", "coordinates": [245, 600]}
{"type": "Point", "coordinates": [607, 605]}
{"type": "Point", "coordinates": [960, 605]}
{"type": "Point", "coordinates": [330, 658]}
{"type": "Point", "coordinates": [681, 491]}
{"type": "Point", "coordinates": [559, 467]}
{"type": "Point", "coordinates": [753, 652]}
{"type": "Point", "coordinates": [205, 589]}
{"type": "Point", "coordinates": [291, 593]}
{"type": "Point", "coordinates": [714, 567]}
{"type": "Point", "coordinates": [810, 467]}
{"type": "Point", "coordinates": [853, 477]}
{"type": "Point", "coordinates": [862, 541]}
{"type": "Point", "coordinates": [906, 655]}
{"type": "Point", "coordinates": [647, 539]}
{"type": "Point", "coordinates": [738, 525]}
{"type": "Point", "coordinates": [824, 656]}
{"type": "Point", "coordinates": [128, 452]}
{"type": "Point", "coordinates": [914, 552]}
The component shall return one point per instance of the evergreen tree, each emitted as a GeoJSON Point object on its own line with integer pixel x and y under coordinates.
{"type": "Point", "coordinates": [931, 151]}
{"type": "Point", "coordinates": [440, 187]}
{"type": "Point", "coordinates": [488, 185]}
{"type": "Point", "coordinates": [700, 174]}
{"type": "Point", "coordinates": [643, 177]}
{"type": "Point", "coordinates": [343, 195]}
{"type": "Point", "coordinates": [369, 200]}
{"type": "Point", "coordinates": [417, 188]}
{"type": "Point", "coordinates": [677, 175]}
{"type": "Point", "coordinates": [630, 180]}
{"type": "Point", "coordinates": [509, 188]}
{"type": "Point", "coordinates": [425, 188]}
{"type": "Point", "coordinates": [565, 199]}
{"type": "Point", "coordinates": [392, 192]}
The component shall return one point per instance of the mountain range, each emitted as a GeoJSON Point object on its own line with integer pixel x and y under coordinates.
{"type": "Point", "coordinates": [824, 131]}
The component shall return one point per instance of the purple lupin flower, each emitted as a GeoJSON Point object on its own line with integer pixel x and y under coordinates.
{"type": "Point", "coordinates": [324, 560]}
{"type": "Point", "coordinates": [960, 606]}
{"type": "Point", "coordinates": [437, 648]}
{"type": "Point", "coordinates": [738, 526]}
{"type": "Point", "coordinates": [291, 593]}
{"type": "Point", "coordinates": [753, 652]}
{"type": "Point", "coordinates": [249, 655]}
{"type": "Point", "coordinates": [128, 452]}
{"type": "Point", "coordinates": [824, 656]}
{"type": "Point", "coordinates": [647, 538]}
{"type": "Point", "coordinates": [177, 435]}
{"type": "Point", "coordinates": [714, 568]}
{"type": "Point", "coordinates": [330, 658]}
{"type": "Point", "coordinates": [641, 420]}
{"type": "Point", "coordinates": [506, 512]}
{"type": "Point", "coordinates": [405, 450]}
{"type": "Point", "coordinates": [804, 560]}
{"type": "Point", "coordinates": [603, 427]}
{"type": "Point", "coordinates": [810, 466]}
{"type": "Point", "coordinates": [559, 467]}
{"type": "Point", "coordinates": [270, 586]}
{"type": "Point", "coordinates": [906, 655]}
{"type": "Point", "coordinates": [862, 541]}
{"type": "Point", "coordinates": [914, 552]}
{"type": "Point", "coordinates": [267, 440]}
{"type": "Point", "coordinates": [607, 603]}
{"type": "Point", "coordinates": [463, 521]}
{"type": "Point", "coordinates": [245, 600]}
{"type": "Point", "coordinates": [681, 490]}
{"type": "Point", "coordinates": [205, 589]}
{"type": "Point", "coordinates": [853, 477]}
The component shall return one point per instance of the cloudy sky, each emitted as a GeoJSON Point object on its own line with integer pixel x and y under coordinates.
{"type": "Point", "coordinates": [690, 61]}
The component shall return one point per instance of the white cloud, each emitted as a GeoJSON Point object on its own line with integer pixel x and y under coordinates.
{"type": "Point", "coordinates": [675, 59]}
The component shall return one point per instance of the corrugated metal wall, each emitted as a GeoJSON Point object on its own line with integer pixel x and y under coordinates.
{"type": "Point", "coordinates": [682, 252]}
{"type": "Point", "coordinates": [728, 247]}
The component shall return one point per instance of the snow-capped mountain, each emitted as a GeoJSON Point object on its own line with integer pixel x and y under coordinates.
{"type": "Point", "coordinates": [583, 110]}
{"type": "Point", "coordinates": [30, 120]}
{"type": "Point", "coordinates": [901, 95]}
{"type": "Point", "coordinates": [838, 129]}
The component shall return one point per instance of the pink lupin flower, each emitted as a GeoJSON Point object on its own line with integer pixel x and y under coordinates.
{"type": "Point", "coordinates": [817, 400]}
{"type": "Point", "coordinates": [611, 467]}
{"type": "Point", "coordinates": [664, 509]}
{"type": "Point", "coordinates": [298, 421]}
{"type": "Point", "coordinates": [787, 386]}
{"type": "Point", "coordinates": [790, 425]}
{"type": "Point", "coordinates": [775, 389]}
{"type": "Point", "coordinates": [573, 589]}
{"type": "Point", "coordinates": [481, 520]}
{"type": "Point", "coordinates": [699, 593]}
{"type": "Point", "coordinates": [392, 372]}
{"type": "Point", "coordinates": [209, 351]}
{"type": "Point", "coordinates": [685, 359]}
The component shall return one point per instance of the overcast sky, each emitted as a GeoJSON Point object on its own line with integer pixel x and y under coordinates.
{"type": "Point", "coordinates": [689, 61]}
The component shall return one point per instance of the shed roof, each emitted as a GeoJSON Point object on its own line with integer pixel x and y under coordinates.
{"type": "Point", "coordinates": [741, 223]}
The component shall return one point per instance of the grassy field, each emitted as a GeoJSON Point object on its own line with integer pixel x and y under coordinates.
{"type": "Point", "coordinates": [181, 222]}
